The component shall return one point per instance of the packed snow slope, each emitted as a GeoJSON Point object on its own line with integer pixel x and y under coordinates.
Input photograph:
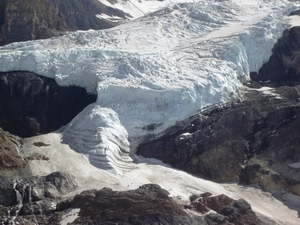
{"type": "Point", "coordinates": [154, 71]}
{"type": "Point", "coordinates": [135, 8]}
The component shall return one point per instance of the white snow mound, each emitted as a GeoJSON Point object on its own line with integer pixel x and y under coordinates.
{"type": "Point", "coordinates": [154, 71]}
{"type": "Point", "coordinates": [98, 134]}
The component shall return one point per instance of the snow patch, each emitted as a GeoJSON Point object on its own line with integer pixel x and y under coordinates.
{"type": "Point", "coordinates": [270, 92]}
{"type": "Point", "coordinates": [295, 165]}
{"type": "Point", "coordinates": [69, 216]}
{"type": "Point", "coordinates": [178, 183]}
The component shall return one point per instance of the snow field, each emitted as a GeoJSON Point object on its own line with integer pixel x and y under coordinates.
{"type": "Point", "coordinates": [180, 184]}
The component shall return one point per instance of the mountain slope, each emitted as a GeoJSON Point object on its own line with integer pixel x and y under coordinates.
{"type": "Point", "coordinates": [40, 19]}
{"type": "Point", "coordinates": [149, 74]}
{"type": "Point", "coordinates": [157, 70]}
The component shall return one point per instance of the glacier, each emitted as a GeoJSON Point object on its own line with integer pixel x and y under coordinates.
{"type": "Point", "coordinates": [154, 71]}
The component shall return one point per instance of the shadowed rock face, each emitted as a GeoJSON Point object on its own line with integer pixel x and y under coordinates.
{"type": "Point", "coordinates": [253, 141]}
{"type": "Point", "coordinates": [22, 20]}
{"type": "Point", "coordinates": [32, 199]}
{"type": "Point", "coordinates": [32, 104]}
{"type": "Point", "coordinates": [284, 63]}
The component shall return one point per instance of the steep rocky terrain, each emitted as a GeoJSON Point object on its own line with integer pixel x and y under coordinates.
{"type": "Point", "coordinates": [252, 141]}
{"type": "Point", "coordinates": [9, 147]}
{"type": "Point", "coordinates": [22, 20]}
{"type": "Point", "coordinates": [255, 140]}
{"type": "Point", "coordinates": [149, 204]}
{"type": "Point", "coordinates": [283, 65]}
{"type": "Point", "coordinates": [32, 104]}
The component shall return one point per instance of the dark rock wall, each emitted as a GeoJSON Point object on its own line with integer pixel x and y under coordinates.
{"type": "Point", "coordinates": [81, 14]}
{"type": "Point", "coordinates": [2, 11]}
{"type": "Point", "coordinates": [253, 141]}
{"type": "Point", "coordinates": [29, 20]}
{"type": "Point", "coordinates": [284, 63]}
{"type": "Point", "coordinates": [222, 143]}
{"type": "Point", "coordinates": [22, 20]}
{"type": "Point", "coordinates": [32, 104]}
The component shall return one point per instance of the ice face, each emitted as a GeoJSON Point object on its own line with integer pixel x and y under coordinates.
{"type": "Point", "coordinates": [152, 72]}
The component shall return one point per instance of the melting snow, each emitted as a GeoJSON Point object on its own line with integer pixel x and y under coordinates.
{"type": "Point", "coordinates": [179, 184]}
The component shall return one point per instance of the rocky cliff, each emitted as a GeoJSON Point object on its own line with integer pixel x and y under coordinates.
{"type": "Point", "coordinates": [283, 65]}
{"type": "Point", "coordinates": [32, 104]}
{"type": "Point", "coordinates": [254, 141]}
{"type": "Point", "coordinates": [22, 20]}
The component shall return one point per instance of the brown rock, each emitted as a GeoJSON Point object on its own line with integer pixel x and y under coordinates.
{"type": "Point", "coordinates": [149, 204]}
{"type": "Point", "coordinates": [22, 20]}
{"type": "Point", "coordinates": [9, 157]}
{"type": "Point", "coordinates": [228, 210]}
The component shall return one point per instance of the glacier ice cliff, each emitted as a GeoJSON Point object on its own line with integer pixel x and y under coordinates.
{"type": "Point", "coordinates": [154, 71]}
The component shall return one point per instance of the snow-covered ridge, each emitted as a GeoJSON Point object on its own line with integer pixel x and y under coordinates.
{"type": "Point", "coordinates": [154, 71]}
{"type": "Point", "coordinates": [137, 8]}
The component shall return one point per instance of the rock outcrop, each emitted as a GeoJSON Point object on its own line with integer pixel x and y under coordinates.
{"type": "Point", "coordinates": [283, 66]}
{"type": "Point", "coordinates": [227, 210]}
{"type": "Point", "coordinates": [255, 139]}
{"type": "Point", "coordinates": [33, 198]}
{"type": "Point", "coordinates": [32, 104]}
{"type": "Point", "coordinates": [39, 200]}
{"type": "Point", "coordinates": [149, 204]}
{"type": "Point", "coordinates": [22, 20]}
{"type": "Point", "coordinates": [9, 156]}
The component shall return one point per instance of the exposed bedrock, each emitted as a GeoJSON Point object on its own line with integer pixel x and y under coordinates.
{"type": "Point", "coordinates": [32, 104]}
{"type": "Point", "coordinates": [284, 64]}
{"type": "Point", "coordinates": [31, 200]}
{"type": "Point", "coordinates": [9, 152]}
{"type": "Point", "coordinates": [226, 210]}
{"type": "Point", "coordinates": [254, 141]}
{"type": "Point", "coordinates": [22, 20]}
{"type": "Point", "coordinates": [148, 204]}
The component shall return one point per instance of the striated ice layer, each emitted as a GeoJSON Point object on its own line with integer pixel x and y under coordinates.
{"type": "Point", "coordinates": [154, 71]}
{"type": "Point", "coordinates": [98, 134]}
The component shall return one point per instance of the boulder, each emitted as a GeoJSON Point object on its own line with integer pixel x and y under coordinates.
{"type": "Point", "coordinates": [7, 194]}
{"type": "Point", "coordinates": [226, 210]}
{"type": "Point", "coordinates": [9, 148]}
